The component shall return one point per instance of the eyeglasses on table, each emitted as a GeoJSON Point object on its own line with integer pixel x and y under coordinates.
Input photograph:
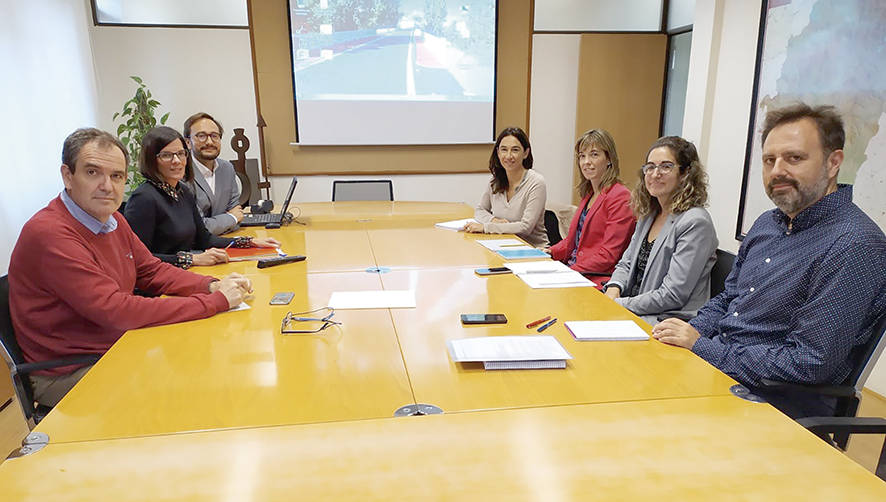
{"type": "Point", "coordinates": [311, 324]}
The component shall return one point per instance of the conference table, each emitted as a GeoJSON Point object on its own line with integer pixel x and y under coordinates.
{"type": "Point", "coordinates": [231, 408]}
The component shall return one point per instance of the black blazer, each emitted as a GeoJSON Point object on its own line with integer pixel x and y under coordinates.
{"type": "Point", "coordinates": [167, 226]}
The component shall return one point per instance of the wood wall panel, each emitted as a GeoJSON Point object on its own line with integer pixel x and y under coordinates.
{"type": "Point", "coordinates": [272, 65]}
{"type": "Point", "coordinates": [620, 85]}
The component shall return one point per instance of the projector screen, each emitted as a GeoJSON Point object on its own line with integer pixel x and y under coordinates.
{"type": "Point", "coordinates": [393, 72]}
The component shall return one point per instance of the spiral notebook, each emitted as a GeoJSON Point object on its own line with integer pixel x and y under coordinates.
{"type": "Point", "coordinates": [510, 352]}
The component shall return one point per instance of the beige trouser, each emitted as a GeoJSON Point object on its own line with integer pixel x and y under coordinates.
{"type": "Point", "coordinates": [50, 389]}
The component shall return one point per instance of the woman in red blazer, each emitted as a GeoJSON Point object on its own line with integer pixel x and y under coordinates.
{"type": "Point", "coordinates": [601, 228]}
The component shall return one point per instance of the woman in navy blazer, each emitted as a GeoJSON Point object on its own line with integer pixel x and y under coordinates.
{"type": "Point", "coordinates": [602, 226]}
{"type": "Point", "coordinates": [666, 270]}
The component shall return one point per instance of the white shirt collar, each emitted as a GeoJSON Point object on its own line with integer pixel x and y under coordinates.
{"type": "Point", "coordinates": [208, 175]}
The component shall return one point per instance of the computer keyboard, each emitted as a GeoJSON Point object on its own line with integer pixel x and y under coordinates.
{"type": "Point", "coordinates": [262, 218]}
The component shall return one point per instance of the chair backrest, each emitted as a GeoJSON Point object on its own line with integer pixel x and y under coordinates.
{"type": "Point", "coordinates": [7, 335]}
{"type": "Point", "coordinates": [720, 272]}
{"type": "Point", "coordinates": [864, 357]}
{"type": "Point", "coordinates": [552, 227]}
{"type": "Point", "coordinates": [362, 190]}
{"type": "Point", "coordinates": [10, 345]}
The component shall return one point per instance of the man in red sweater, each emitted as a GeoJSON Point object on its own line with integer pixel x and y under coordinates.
{"type": "Point", "coordinates": [76, 263]}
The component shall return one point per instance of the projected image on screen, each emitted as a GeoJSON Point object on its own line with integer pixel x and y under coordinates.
{"type": "Point", "coordinates": [393, 71]}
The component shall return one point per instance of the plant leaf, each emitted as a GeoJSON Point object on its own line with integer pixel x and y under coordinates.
{"type": "Point", "coordinates": [120, 129]}
{"type": "Point", "coordinates": [164, 117]}
{"type": "Point", "coordinates": [115, 116]}
{"type": "Point", "coordinates": [137, 79]}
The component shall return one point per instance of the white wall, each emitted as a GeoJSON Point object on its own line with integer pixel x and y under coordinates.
{"type": "Point", "coordinates": [187, 69]}
{"type": "Point", "coordinates": [206, 12]}
{"type": "Point", "coordinates": [467, 188]}
{"type": "Point", "coordinates": [598, 15]}
{"type": "Point", "coordinates": [680, 14]}
{"type": "Point", "coordinates": [721, 79]}
{"type": "Point", "coordinates": [721, 74]}
{"type": "Point", "coordinates": [552, 104]}
{"type": "Point", "coordinates": [47, 90]}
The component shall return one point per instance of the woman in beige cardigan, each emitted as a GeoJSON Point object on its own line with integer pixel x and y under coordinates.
{"type": "Point", "coordinates": [514, 200]}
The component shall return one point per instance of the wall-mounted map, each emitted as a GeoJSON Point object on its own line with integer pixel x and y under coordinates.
{"type": "Point", "coordinates": [824, 52]}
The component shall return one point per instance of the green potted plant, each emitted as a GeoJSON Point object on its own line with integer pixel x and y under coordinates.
{"type": "Point", "coordinates": [138, 118]}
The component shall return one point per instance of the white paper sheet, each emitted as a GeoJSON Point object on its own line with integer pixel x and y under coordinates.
{"type": "Point", "coordinates": [242, 306]}
{"type": "Point", "coordinates": [563, 279]}
{"type": "Point", "coordinates": [544, 274]}
{"type": "Point", "coordinates": [455, 224]}
{"type": "Point", "coordinates": [536, 267]}
{"type": "Point", "coordinates": [606, 330]}
{"type": "Point", "coordinates": [496, 244]}
{"type": "Point", "coordinates": [507, 348]}
{"type": "Point", "coordinates": [397, 299]}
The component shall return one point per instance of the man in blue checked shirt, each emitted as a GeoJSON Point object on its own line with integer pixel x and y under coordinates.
{"type": "Point", "coordinates": [809, 281]}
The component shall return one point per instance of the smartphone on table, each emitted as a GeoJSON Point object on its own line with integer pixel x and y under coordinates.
{"type": "Point", "coordinates": [282, 298]}
{"type": "Point", "coordinates": [492, 271]}
{"type": "Point", "coordinates": [483, 319]}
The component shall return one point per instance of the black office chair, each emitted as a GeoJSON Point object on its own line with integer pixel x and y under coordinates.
{"type": "Point", "coordinates": [552, 227]}
{"type": "Point", "coordinates": [20, 369]}
{"type": "Point", "coordinates": [362, 190]}
{"type": "Point", "coordinates": [836, 429]}
{"type": "Point", "coordinates": [720, 272]}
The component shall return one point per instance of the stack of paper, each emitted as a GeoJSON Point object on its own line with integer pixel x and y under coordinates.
{"type": "Point", "coordinates": [549, 274]}
{"type": "Point", "coordinates": [455, 224]}
{"type": "Point", "coordinates": [606, 330]}
{"type": "Point", "coordinates": [512, 249]}
{"type": "Point", "coordinates": [510, 352]}
{"type": "Point", "coordinates": [372, 299]}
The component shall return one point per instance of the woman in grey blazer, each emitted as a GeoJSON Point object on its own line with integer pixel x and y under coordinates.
{"type": "Point", "coordinates": [666, 269]}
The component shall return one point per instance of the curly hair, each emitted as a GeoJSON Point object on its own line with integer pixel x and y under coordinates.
{"type": "Point", "coordinates": [601, 140]}
{"type": "Point", "coordinates": [692, 190]}
{"type": "Point", "coordinates": [499, 180]}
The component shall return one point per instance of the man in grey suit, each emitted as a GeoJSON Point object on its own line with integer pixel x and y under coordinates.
{"type": "Point", "coordinates": [215, 183]}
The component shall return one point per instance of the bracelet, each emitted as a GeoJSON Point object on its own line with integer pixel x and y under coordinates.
{"type": "Point", "coordinates": [241, 242]}
{"type": "Point", "coordinates": [184, 259]}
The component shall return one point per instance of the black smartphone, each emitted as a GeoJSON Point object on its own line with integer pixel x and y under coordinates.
{"type": "Point", "coordinates": [492, 271]}
{"type": "Point", "coordinates": [483, 319]}
{"type": "Point", "coordinates": [282, 298]}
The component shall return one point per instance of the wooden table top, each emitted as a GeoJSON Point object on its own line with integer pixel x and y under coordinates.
{"type": "Point", "coordinates": [712, 448]}
{"type": "Point", "coordinates": [599, 372]}
{"type": "Point", "coordinates": [237, 370]}
{"type": "Point", "coordinates": [229, 408]}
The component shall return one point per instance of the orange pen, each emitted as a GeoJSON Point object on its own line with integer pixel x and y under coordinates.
{"type": "Point", "coordinates": [536, 323]}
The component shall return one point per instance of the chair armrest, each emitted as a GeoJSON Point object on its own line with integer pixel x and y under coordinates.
{"type": "Point", "coordinates": [822, 426]}
{"type": "Point", "coordinates": [824, 390]}
{"type": "Point", "coordinates": [28, 368]}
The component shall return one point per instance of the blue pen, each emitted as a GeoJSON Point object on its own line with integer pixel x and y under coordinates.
{"type": "Point", "coordinates": [546, 325]}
